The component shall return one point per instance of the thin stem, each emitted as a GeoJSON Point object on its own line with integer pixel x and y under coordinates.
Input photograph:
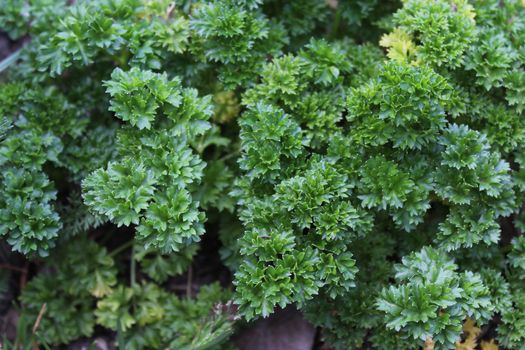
{"type": "Point", "coordinates": [335, 24]}
{"type": "Point", "coordinates": [230, 155]}
{"type": "Point", "coordinates": [170, 10]}
{"type": "Point", "coordinates": [9, 60]}
{"type": "Point", "coordinates": [121, 248]}
{"type": "Point", "coordinates": [189, 282]}
{"type": "Point", "coordinates": [39, 318]}
{"type": "Point", "coordinates": [23, 276]}
{"type": "Point", "coordinates": [133, 267]}
{"type": "Point", "coordinates": [200, 147]}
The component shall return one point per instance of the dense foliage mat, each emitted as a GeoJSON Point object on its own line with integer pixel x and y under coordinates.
{"type": "Point", "coordinates": [171, 171]}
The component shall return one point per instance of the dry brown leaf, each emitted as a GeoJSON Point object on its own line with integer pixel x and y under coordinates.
{"type": "Point", "coordinates": [472, 332]}
{"type": "Point", "coordinates": [469, 327]}
{"type": "Point", "coordinates": [489, 345]}
{"type": "Point", "coordinates": [429, 344]}
{"type": "Point", "coordinates": [469, 344]}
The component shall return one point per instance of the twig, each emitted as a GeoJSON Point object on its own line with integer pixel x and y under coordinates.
{"type": "Point", "coordinates": [39, 317]}
{"type": "Point", "coordinates": [170, 9]}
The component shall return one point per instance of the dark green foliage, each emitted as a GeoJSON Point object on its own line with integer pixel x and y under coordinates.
{"type": "Point", "coordinates": [227, 34]}
{"type": "Point", "coordinates": [79, 272]}
{"type": "Point", "coordinates": [361, 160]}
{"type": "Point", "coordinates": [160, 267]}
{"type": "Point", "coordinates": [28, 216]}
{"type": "Point", "coordinates": [150, 318]}
{"type": "Point", "coordinates": [432, 298]}
{"type": "Point", "coordinates": [33, 140]}
{"type": "Point", "coordinates": [99, 30]}
{"type": "Point", "coordinates": [152, 190]}
{"type": "Point", "coordinates": [444, 29]}
{"type": "Point", "coordinates": [136, 95]}
{"type": "Point", "coordinates": [497, 55]}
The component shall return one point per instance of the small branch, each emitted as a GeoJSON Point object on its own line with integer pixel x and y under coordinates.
{"type": "Point", "coordinates": [170, 10]}
{"type": "Point", "coordinates": [39, 317]}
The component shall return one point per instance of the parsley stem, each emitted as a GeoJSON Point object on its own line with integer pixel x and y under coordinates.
{"type": "Point", "coordinates": [335, 24]}
{"type": "Point", "coordinates": [121, 248]}
{"type": "Point", "coordinates": [189, 282]}
{"type": "Point", "coordinates": [9, 60]}
{"type": "Point", "coordinates": [133, 267]}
